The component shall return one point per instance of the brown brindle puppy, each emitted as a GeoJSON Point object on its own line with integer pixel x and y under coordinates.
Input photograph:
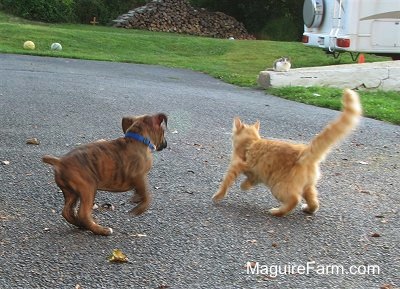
{"type": "Point", "coordinates": [118, 166]}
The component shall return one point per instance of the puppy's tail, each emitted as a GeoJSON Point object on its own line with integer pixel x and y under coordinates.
{"type": "Point", "coordinates": [335, 131]}
{"type": "Point", "coordinates": [51, 160]}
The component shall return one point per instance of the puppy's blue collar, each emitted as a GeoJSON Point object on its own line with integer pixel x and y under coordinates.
{"type": "Point", "coordinates": [141, 139]}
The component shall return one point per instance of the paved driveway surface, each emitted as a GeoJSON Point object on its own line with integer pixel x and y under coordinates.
{"type": "Point", "coordinates": [184, 240]}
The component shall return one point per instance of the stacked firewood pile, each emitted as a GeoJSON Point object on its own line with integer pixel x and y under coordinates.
{"type": "Point", "coordinates": [179, 16]}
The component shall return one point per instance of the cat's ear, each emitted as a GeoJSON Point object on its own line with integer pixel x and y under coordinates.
{"type": "Point", "coordinates": [237, 124]}
{"type": "Point", "coordinates": [257, 125]}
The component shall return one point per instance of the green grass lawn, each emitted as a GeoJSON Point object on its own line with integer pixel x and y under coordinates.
{"type": "Point", "coordinates": [236, 62]}
{"type": "Point", "coordinates": [382, 105]}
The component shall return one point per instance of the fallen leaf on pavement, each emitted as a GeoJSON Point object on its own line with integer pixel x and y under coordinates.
{"type": "Point", "coordinates": [32, 141]}
{"type": "Point", "coordinates": [107, 206]}
{"type": "Point", "coordinates": [250, 265]}
{"type": "Point", "coordinates": [118, 257]}
{"type": "Point", "coordinates": [4, 217]}
{"type": "Point", "coordinates": [252, 241]}
{"type": "Point", "coordinates": [266, 278]}
{"type": "Point", "coordinates": [365, 192]}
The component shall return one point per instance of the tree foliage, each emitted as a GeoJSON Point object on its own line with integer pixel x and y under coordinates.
{"type": "Point", "coordinates": [104, 10]}
{"type": "Point", "coordinates": [80, 11]}
{"type": "Point", "coordinates": [267, 19]}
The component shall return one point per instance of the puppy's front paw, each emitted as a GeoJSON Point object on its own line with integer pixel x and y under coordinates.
{"type": "Point", "coordinates": [139, 209]}
{"type": "Point", "coordinates": [99, 230]}
{"type": "Point", "coordinates": [110, 231]}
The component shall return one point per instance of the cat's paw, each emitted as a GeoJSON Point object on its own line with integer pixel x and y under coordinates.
{"type": "Point", "coordinates": [245, 185]}
{"type": "Point", "coordinates": [306, 209]}
{"type": "Point", "coordinates": [218, 197]}
{"type": "Point", "coordinates": [276, 212]}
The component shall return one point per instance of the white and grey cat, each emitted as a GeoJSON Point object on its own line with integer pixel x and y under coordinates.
{"type": "Point", "coordinates": [282, 64]}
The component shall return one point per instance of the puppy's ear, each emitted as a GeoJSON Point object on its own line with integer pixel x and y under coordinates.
{"type": "Point", "coordinates": [161, 118]}
{"type": "Point", "coordinates": [257, 125]}
{"type": "Point", "coordinates": [237, 124]}
{"type": "Point", "coordinates": [127, 122]}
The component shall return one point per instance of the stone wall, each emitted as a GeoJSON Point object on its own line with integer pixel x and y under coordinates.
{"type": "Point", "coordinates": [377, 75]}
{"type": "Point", "coordinates": [179, 16]}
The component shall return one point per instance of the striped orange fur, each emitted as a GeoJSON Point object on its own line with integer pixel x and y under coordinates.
{"type": "Point", "coordinates": [291, 171]}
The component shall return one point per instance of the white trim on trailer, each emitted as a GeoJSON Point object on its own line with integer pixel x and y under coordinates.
{"type": "Point", "coordinates": [367, 26]}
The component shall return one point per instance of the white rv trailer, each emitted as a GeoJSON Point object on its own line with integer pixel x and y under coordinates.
{"type": "Point", "coordinates": [356, 26]}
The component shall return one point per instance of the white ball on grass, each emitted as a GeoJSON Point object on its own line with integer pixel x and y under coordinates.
{"type": "Point", "coordinates": [29, 45]}
{"type": "Point", "coordinates": [56, 46]}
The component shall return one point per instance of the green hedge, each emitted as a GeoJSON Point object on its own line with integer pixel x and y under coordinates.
{"type": "Point", "coordinates": [41, 10]}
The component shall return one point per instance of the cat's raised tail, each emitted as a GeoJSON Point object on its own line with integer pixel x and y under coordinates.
{"type": "Point", "coordinates": [335, 131]}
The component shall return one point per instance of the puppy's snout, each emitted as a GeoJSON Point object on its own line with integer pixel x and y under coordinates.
{"type": "Point", "coordinates": [162, 146]}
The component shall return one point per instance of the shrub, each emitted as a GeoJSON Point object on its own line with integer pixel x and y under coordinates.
{"type": "Point", "coordinates": [81, 11]}
{"type": "Point", "coordinates": [41, 10]}
{"type": "Point", "coordinates": [85, 10]}
{"type": "Point", "coordinates": [260, 17]}
{"type": "Point", "coordinates": [104, 10]}
{"type": "Point", "coordinates": [281, 29]}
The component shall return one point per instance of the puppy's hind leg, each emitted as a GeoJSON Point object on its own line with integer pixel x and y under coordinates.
{"type": "Point", "coordinates": [136, 198]}
{"type": "Point", "coordinates": [85, 214]}
{"type": "Point", "coordinates": [70, 201]}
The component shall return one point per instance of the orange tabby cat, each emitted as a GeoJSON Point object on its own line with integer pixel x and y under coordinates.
{"type": "Point", "coordinates": [291, 171]}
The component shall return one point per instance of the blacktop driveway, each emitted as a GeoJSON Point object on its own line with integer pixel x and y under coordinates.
{"type": "Point", "coordinates": [184, 240]}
